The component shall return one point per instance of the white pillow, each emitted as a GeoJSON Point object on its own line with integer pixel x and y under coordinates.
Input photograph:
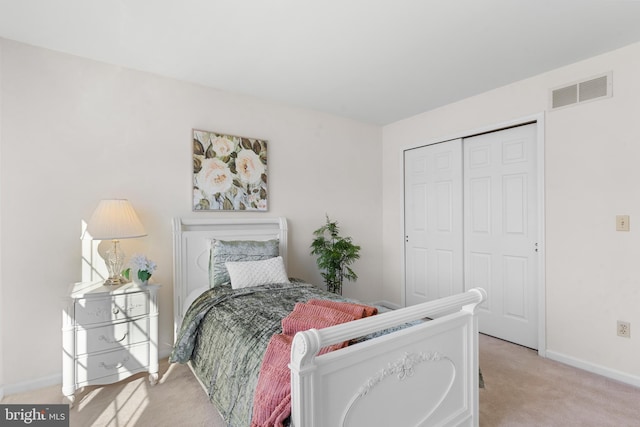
{"type": "Point", "coordinates": [254, 273]}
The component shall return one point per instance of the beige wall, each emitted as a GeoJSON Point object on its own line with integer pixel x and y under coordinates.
{"type": "Point", "coordinates": [76, 131]}
{"type": "Point", "coordinates": [591, 174]}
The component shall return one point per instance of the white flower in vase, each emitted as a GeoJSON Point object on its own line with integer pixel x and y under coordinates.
{"type": "Point", "coordinates": [140, 269]}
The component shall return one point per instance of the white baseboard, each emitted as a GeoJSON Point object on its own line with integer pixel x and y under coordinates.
{"type": "Point", "coordinates": [33, 385]}
{"type": "Point", "coordinates": [594, 368]}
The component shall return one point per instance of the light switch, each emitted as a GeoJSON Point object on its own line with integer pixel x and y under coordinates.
{"type": "Point", "coordinates": [622, 222]}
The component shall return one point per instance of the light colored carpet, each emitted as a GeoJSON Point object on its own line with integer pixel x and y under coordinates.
{"type": "Point", "coordinates": [177, 400]}
{"type": "Point", "coordinates": [522, 389]}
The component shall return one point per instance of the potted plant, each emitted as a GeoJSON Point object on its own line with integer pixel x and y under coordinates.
{"type": "Point", "coordinates": [140, 269]}
{"type": "Point", "coordinates": [335, 255]}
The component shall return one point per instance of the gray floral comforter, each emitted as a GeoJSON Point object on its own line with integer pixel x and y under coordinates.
{"type": "Point", "coordinates": [225, 333]}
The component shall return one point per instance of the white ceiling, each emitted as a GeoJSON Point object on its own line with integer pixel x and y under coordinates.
{"type": "Point", "coordinates": [376, 61]}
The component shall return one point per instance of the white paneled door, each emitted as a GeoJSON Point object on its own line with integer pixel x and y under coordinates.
{"type": "Point", "coordinates": [433, 222]}
{"type": "Point", "coordinates": [471, 221]}
{"type": "Point", "coordinates": [501, 228]}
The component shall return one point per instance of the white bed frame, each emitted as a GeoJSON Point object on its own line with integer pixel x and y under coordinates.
{"type": "Point", "coordinates": [423, 375]}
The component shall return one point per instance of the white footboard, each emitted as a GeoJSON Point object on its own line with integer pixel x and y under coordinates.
{"type": "Point", "coordinates": [424, 375]}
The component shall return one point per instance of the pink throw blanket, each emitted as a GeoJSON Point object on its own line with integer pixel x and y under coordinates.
{"type": "Point", "coordinates": [272, 397]}
{"type": "Point", "coordinates": [357, 310]}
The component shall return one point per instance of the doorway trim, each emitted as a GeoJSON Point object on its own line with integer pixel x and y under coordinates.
{"type": "Point", "coordinates": [539, 120]}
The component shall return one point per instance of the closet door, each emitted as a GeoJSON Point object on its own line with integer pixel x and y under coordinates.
{"type": "Point", "coordinates": [433, 222]}
{"type": "Point", "coordinates": [501, 228]}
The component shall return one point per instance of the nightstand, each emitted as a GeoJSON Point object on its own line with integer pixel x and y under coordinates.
{"type": "Point", "coordinates": [108, 334]}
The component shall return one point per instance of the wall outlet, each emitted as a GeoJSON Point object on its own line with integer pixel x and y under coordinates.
{"type": "Point", "coordinates": [622, 223]}
{"type": "Point", "coordinates": [624, 329]}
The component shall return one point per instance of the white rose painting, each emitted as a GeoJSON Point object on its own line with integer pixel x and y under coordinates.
{"type": "Point", "coordinates": [229, 172]}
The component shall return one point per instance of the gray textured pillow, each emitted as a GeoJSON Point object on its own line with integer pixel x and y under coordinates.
{"type": "Point", "coordinates": [236, 251]}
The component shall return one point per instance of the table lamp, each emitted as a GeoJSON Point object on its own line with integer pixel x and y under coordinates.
{"type": "Point", "coordinates": [115, 219]}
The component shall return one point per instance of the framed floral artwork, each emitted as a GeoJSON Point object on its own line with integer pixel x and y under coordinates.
{"type": "Point", "coordinates": [229, 172]}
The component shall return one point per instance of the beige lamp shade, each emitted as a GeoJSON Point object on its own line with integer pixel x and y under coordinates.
{"type": "Point", "coordinates": [115, 219]}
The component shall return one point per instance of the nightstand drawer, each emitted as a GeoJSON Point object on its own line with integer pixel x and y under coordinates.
{"type": "Point", "coordinates": [120, 307]}
{"type": "Point", "coordinates": [112, 336]}
{"type": "Point", "coordinates": [121, 362]}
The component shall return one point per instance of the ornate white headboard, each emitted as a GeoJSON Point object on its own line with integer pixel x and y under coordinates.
{"type": "Point", "coordinates": [191, 245]}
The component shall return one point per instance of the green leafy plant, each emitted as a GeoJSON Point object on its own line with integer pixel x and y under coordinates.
{"type": "Point", "coordinates": [335, 255]}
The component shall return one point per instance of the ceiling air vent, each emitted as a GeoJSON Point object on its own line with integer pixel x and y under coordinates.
{"type": "Point", "coordinates": [586, 90]}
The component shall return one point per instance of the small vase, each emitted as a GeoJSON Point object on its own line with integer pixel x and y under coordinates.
{"type": "Point", "coordinates": [140, 282]}
{"type": "Point", "coordinates": [137, 280]}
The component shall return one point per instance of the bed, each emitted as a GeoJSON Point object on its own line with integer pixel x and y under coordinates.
{"type": "Point", "coordinates": [398, 369]}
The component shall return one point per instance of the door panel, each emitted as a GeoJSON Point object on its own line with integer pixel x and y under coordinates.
{"type": "Point", "coordinates": [420, 276]}
{"type": "Point", "coordinates": [515, 274]}
{"type": "Point", "coordinates": [501, 231]}
{"type": "Point", "coordinates": [433, 222]}
{"type": "Point", "coordinates": [444, 272]}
